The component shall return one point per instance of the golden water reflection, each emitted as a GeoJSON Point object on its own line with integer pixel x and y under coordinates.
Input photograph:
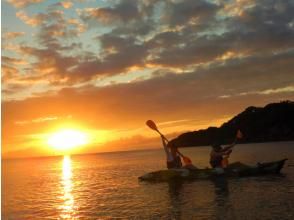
{"type": "Point", "coordinates": [67, 208]}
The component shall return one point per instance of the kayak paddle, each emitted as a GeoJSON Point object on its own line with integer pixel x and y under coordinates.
{"type": "Point", "coordinates": [186, 160]}
{"type": "Point", "coordinates": [225, 160]}
{"type": "Point", "coordinates": [239, 134]}
{"type": "Point", "coordinates": [151, 124]}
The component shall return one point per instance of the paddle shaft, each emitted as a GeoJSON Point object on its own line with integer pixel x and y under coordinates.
{"type": "Point", "coordinates": [161, 135]}
{"type": "Point", "coordinates": [153, 126]}
{"type": "Point", "coordinates": [235, 143]}
{"type": "Point", "coordinates": [168, 141]}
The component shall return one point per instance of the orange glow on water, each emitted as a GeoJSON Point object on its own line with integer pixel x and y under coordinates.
{"type": "Point", "coordinates": [67, 208]}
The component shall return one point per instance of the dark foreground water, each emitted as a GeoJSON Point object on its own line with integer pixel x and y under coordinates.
{"type": "Point", "coordinates": [105, 186]}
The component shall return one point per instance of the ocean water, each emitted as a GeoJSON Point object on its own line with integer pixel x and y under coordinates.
{"type": "Point", "coordinates": [106, 186]}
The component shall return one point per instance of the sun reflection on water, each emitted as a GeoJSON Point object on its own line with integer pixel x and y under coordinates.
{"type": "Point", "coordinates": [67, 185]}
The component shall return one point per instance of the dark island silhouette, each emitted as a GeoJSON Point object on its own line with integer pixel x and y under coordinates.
{"type": "Point", "coordinates": [274, 122]}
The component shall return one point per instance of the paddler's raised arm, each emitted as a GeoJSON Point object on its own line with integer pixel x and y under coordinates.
{"type": "Point", "coordinates": [239, 135]}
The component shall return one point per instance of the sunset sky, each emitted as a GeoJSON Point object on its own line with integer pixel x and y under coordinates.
{"type": "Point", "coordinates": [105, 67]}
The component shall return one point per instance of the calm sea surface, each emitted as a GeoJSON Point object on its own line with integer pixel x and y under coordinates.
{"type": "Point", "coordinates": [105, 186]}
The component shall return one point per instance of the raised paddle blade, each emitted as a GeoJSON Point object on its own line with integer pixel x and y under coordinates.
{"type": "Point", "coordinates": [151, 125]}
{"type": "Point", "coordinates": [187, 160]}
{"type": "Point", "coordinates": [239, 134]}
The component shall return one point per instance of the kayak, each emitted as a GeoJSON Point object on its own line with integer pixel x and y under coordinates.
{"type": "Point", "coordinates": [234, 170]}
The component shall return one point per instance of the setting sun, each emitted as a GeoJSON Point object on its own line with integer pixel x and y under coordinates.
{"type": "Point", "coordinates": [67, 139]}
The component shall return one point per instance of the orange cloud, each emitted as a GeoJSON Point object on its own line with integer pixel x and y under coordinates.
{"type": "Point", "coordinates": [8, 72]}
{"type": "Point", "coordinates": [32, 21]}
{"type": "Point", "coordinates": [13, 61]}
{"type": "Point", "coordinates": [80, 26]}
{"type": "Point", "coordinates": [67, 4]}
{"type": "Point", "coordinates": [124, 11]}
{"type": "Point", "coordinates": [23, 3]}
{"type": "Point", "coordinates": [12, 35]}
{"type": "Point", "coordinates": [237, 8]}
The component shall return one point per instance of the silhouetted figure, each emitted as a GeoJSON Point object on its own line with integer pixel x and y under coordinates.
{"type": "Point", "coordinates": [219, 155]}
{"type": "Point", "coordinates": [173, 160]}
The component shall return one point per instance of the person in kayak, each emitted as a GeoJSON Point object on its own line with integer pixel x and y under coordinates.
{"type": "Point", "coordinates": [173, 160]}
{"type": "Point", "coordinates": [219, 155]}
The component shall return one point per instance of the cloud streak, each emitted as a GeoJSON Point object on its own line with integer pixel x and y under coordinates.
{"type": "Point", "coordinates": [23, 3]}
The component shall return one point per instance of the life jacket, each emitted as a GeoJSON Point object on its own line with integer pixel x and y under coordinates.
{"type": "Point", "coordinates": [216, 161]}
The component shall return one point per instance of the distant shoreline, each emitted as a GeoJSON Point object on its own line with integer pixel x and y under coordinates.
{"type": "Point", "coordinates": [130, 151]}
{"type": "Point", "coordinates": [271, 123]}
